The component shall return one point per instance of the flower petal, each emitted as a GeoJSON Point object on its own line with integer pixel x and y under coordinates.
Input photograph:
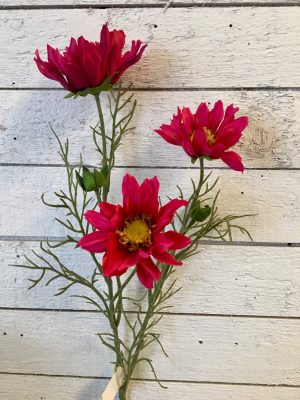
{"type": "Point", "coordinates": [202, 115]}
{"type": "Point", "coordinates": [114, 213]}
{"type": "Point", "coordinates": [131, 195]}
{"type": "Point", "coordinates": [95, 242]}
{"type": "Point", "coordinates": [98, 221]}
{"type": "Point", "coordinates": [147, 272]}
{"type": "Point", "coordinates": [167, 259]}
{"type": "Point", "coordinates": [233, 160]}
{"type": "Point", "coordinates": [166, 213]}
{"type": "Point", "coordinates": [229, 115]}
{"type": "Point", "coordinates": [86, 64]}
{"type": "Point", "coordinates": [118, 260]}
{"type": "Point", "coordinates": [169, 134]}
{"type": "Point", "coordinates": [178, 240]}
{"type": "Point", "coordinates": [216, 115]}
{"type": "Point", "coordinates": [161, 243]}
{"type": "Point", "coordinates": [149, 196]}
{"type": "Point", "coordinates": [107, 209]}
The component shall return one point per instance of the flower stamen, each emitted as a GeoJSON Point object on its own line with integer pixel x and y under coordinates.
{"type": "Point", "coordinates": [210, 137]}
{"type": "Point", "coordinates": [135, 234]}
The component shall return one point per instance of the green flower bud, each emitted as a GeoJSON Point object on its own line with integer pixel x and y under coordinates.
{"type": "Point", "coordinates": [100, 178]}
{"type": "Point", "coordinates": [91, 181]}
{"type": "Point", "coordinates": [199, 213]}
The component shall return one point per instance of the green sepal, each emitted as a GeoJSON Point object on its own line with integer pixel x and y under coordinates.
{"type": "Point", "coordinates": [200, 214]}
{"type": "Point", "coordinates": [100, 178]}
{"type": "Point", "coordinates": [105, 171]}
{"type": "Point", "coordinates": [89, 182]}
{"type": "Point", "coordinates": [69, 95]}
{"type": "Point", "coordinates": [95, 91]}
{"type": "Point", "coordinates": [194, 159]}
{"type": "Point", "coordinates": [80, 180]}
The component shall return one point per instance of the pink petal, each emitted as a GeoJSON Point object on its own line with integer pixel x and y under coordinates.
{"type": "Point", "coordinates": [145, 253]}
{"type": "Point", "coordinates": [178, 240]}
{"type": "Point", "coordinates": [107, 209]}
{"type": "Point", "coordinates": [229, 115]}
{"type": "Point", "coordinates": [161, 243]}
{"type": "Point", "coordinates": [166, 213]}
{"type": "Point", "coordinates": [50, 71]}
{"type": "Point", "coordinates": [94, 242]}
{"type": "Point", "coordinates": [149, 196]}
{"type": "Point", "coordinates": [229, 138]}
{"type": "Point", "coordinates": [217, 149]}
{"type": "Point", "coordinates": [187, 119]}
{"type": "Point", "coordinates": [167, 259]}
{"type": "Point", "coordinates": [147, 272]}
{"type": "Point", "coordinates": [202, 115]}
{"type": "Point", "coordinates": [118, 260]}
{"type": "Point", "coordinates": [200, 144]}
{"type": "Point", "coordinates": [189, 148]}
{"type": "Point", "coordinates": [169, 134]}
{"type": "Point", "coordinates": [216, 115]}
{"type": "Point", "coordinates": [98, 221]}
{"type": "Point", "coordinates": [114, 213]}
{"type": "Point", "coordinates": [131, 195]}
{"type": "Point", "coordinates": [233, 160]}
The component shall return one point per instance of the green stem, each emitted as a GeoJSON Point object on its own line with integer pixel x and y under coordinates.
{"type": "Point", "coordinates": [111, 160]}
{"type": "Point", "coordinates": [193, 198]}
{"type": "Point", "coordinates": [104, 146]}
{"type": "Point", "coordinates": [137, 345]}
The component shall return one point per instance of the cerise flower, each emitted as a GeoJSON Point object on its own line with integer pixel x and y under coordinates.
{"type": "Point", "coordinates": [132, 233]}
{"type": "Point", "coordinates": [87, 64]}
{"type": "Point", "coordinates": [207, 133]}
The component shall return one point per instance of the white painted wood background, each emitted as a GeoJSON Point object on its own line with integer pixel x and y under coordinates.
{"type": "Point", "coordinates": [233, 333]}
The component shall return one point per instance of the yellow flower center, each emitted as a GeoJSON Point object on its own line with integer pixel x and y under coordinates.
{"type": "Point", "coordinates": [135, 234]}
{"type": "Point", "coordinates": [210, 137]}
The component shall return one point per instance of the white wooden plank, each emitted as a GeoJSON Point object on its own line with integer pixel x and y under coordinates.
{"type": "Point", "coordinates": [235, 280]}
{"type": "Point", "coordinates": [273, 195]}
{"type": "Point", "coordinates": [20, 3]}
{"type": "Point", "coordinates": [182, 50]}
{"type": "Point", "coordinates": [272, 139]}
{"type": "Point", "coordinates": [232, 350]}
{"type": "Point", "coordinates": [47, 388]}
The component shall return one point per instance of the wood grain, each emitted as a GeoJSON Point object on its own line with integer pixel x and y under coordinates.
{"type": "Point", "coordinates": [235, 280]}
{"type": "Point", "coordinates": [236, 320]}
{"type": "Point", "coordinates": [249, 41]}
{"type": "Point", "coordinates": [260, 351]}
{"type": "Point", "coordinates": [272, 195]}
{"type": "Point", "coordinates": [48, 388]}
{"type": "Point", "coordinates": [162, 3]}
{"type": "Point", "coordinates": [271, 140]}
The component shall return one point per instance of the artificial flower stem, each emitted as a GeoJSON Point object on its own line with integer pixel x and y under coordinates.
{"type": "Point", "coordinates": [137, 344]}
{"type": "Point", "coordinates": [103, 134]}
{"type": "Point", "coordinates": [194, 197]}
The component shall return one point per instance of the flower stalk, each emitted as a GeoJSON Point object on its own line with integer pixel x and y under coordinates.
{"type": "Point", "coordinates": [141, 238]}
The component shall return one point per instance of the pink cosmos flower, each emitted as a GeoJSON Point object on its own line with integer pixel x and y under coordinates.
{"type": "Point", "coordinates": [133, 233]}
{"type": "Point", "coordinates": [207, 133]}
{"type": "Point", "coordinates": [87, 64]}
